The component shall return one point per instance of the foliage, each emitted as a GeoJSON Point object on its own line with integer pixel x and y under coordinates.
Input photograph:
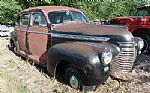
{"type": "Point", "coordinates": [103, 9]}
{"type": "Point", "coordinates": [93, 9]}
{"type": "Point", "coordinates": [32, 3]}
{"type": "Point", "coordinates": [8, 11]}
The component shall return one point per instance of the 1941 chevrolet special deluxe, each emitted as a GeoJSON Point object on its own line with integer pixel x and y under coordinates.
{"type": "Point", "coordinates": [62, 39]}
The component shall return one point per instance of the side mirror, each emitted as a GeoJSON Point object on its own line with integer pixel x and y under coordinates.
{"type": "Point", "coordinates": [50, 26]}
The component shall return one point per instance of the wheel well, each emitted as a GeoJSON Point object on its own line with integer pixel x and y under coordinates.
{"type": "Point", "coordinates": [12, 43]}
{"type": "Point", "coordinates": [60, 68]}
{"type": "Point", "coordinates": [145, 35]}
{"type": "Point", "coordinates": [138, 32]}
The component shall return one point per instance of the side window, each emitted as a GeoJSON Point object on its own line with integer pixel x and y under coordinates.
{"type": "Point", "coordinates": [79, 16]}
{"type": "Point", "coordinates": [60, 17]}
{"type": "Point", "coordinates": [38, 19]}
{"type": "Point", "coordinates": [24, 20]}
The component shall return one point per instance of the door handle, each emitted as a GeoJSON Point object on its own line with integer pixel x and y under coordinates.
{"type": "Point", "coordinates": [28, 33]}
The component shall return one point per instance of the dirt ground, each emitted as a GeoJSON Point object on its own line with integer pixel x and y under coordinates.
{"type": "Point", "coordinates": [20, 76]}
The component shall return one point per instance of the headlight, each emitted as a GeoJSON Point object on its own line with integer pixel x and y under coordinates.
{"type": "Point", "coordinates": [122, 21]}
{"type": "Point", "coordinates": [140, 44]}
{"type": "Point", "coordinates": [106, 57]}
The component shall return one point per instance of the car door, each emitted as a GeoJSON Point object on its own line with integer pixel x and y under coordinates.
{"type": "Point", "coordinates": [38, 38]}
{"type": "Point", "coordinates": [21, 30]}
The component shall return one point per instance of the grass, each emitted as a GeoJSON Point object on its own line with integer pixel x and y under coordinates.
{"type": "Point", "coordinates": [20, 76]}
{"type": "Point", "coordinates": [18, 66]}
{"type": "Point", "coordinates": [11, 83]}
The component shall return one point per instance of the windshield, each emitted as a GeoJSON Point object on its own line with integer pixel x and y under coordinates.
{"type": "Point", "coordinates": [58, 17]}
{"type": "Point", "coordinates": [78, 16]}
{"type": "Point", "coordinates": [143, 12]}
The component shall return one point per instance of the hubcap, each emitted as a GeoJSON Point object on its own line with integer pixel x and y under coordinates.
{"type": "Point", "coordinates": [74, 82]}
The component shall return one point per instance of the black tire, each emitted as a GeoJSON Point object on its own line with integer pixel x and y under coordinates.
{"type": "Point", "coordinates": [146, 39]}
{"type": "Point", "coordinates": [12, 47]}
{"type": "Point", "coordinates": [70, 73]}
{"type": "Point", "coordinates": [146, 48]}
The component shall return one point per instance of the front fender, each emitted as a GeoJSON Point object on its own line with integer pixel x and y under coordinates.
{"type": "Point", "coordinates": [85, 56]}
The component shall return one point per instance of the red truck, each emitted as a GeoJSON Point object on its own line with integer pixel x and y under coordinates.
{"type": "Point", "coordinates": [139, 25]}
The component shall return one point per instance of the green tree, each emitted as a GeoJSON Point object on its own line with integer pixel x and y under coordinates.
{"type": "Point", "coordinates": [8, 11]}
{"type": "Point", "coordinates": [98, 9]}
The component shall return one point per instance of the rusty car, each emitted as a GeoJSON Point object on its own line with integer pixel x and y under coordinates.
{"type": "Point", "coordinates": [63, 40]}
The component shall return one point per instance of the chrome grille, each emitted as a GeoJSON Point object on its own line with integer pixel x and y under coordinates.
{"type": "Point", "coordinates": [124, 61]}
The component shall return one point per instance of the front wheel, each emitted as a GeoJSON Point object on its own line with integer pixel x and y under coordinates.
{"type": "Point", "coordinates": [72, 77]}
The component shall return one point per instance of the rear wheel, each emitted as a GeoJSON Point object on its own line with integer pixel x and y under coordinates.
{"type": "Point", "coordinates": [12, 47]}
{"type": "Point", "coordinates": [72, 77]}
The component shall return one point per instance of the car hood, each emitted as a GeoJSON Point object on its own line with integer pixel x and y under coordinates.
{"type": "Point", "coordinates": [92, 29]}
{"type": "Point", "coordinates": [136, 18]}
{"type": "Point", "coordinates": [115, 33]}
{"type": "Point", "coordinates": [111, 31]}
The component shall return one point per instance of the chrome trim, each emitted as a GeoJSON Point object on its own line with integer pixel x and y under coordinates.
{"type": "Point", "coordinates": [45, 33]}
{"type": "Point", "coordinates": [23, 30]}
{"type": "Point", "coordinates": [94, 45]}
{"type": "Point", "coordinates": [127, 49]}
{"type": "Point", "coordinates": [80, 37]}
{"type": "Point", "coordinates": [124, 61]}
{"type": "Point", "coordinates": [69, 36]}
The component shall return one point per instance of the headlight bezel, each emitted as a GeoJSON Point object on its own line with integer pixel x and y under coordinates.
{"type": "Point", "coordinates": [140, 44]}
{"type": "Point", "coordinates": [106, 57]}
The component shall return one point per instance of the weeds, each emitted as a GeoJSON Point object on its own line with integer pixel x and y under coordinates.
{"type": "Point", "coordinates": [21, 76]}
{"type": "Point", "coordinates": [12, 83]}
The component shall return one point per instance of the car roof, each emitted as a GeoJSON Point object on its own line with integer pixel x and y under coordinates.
{"type": "Point", "coordinates": [47, 9]}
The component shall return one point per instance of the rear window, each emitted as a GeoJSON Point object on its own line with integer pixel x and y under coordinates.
{"type": "Point", "coordinates": [25, 19]}
{"type": "Point", "coordinates": [143, 12]}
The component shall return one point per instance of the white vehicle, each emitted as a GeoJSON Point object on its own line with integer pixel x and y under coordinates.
{"type": "Point", "coordinates": [5, 30]}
